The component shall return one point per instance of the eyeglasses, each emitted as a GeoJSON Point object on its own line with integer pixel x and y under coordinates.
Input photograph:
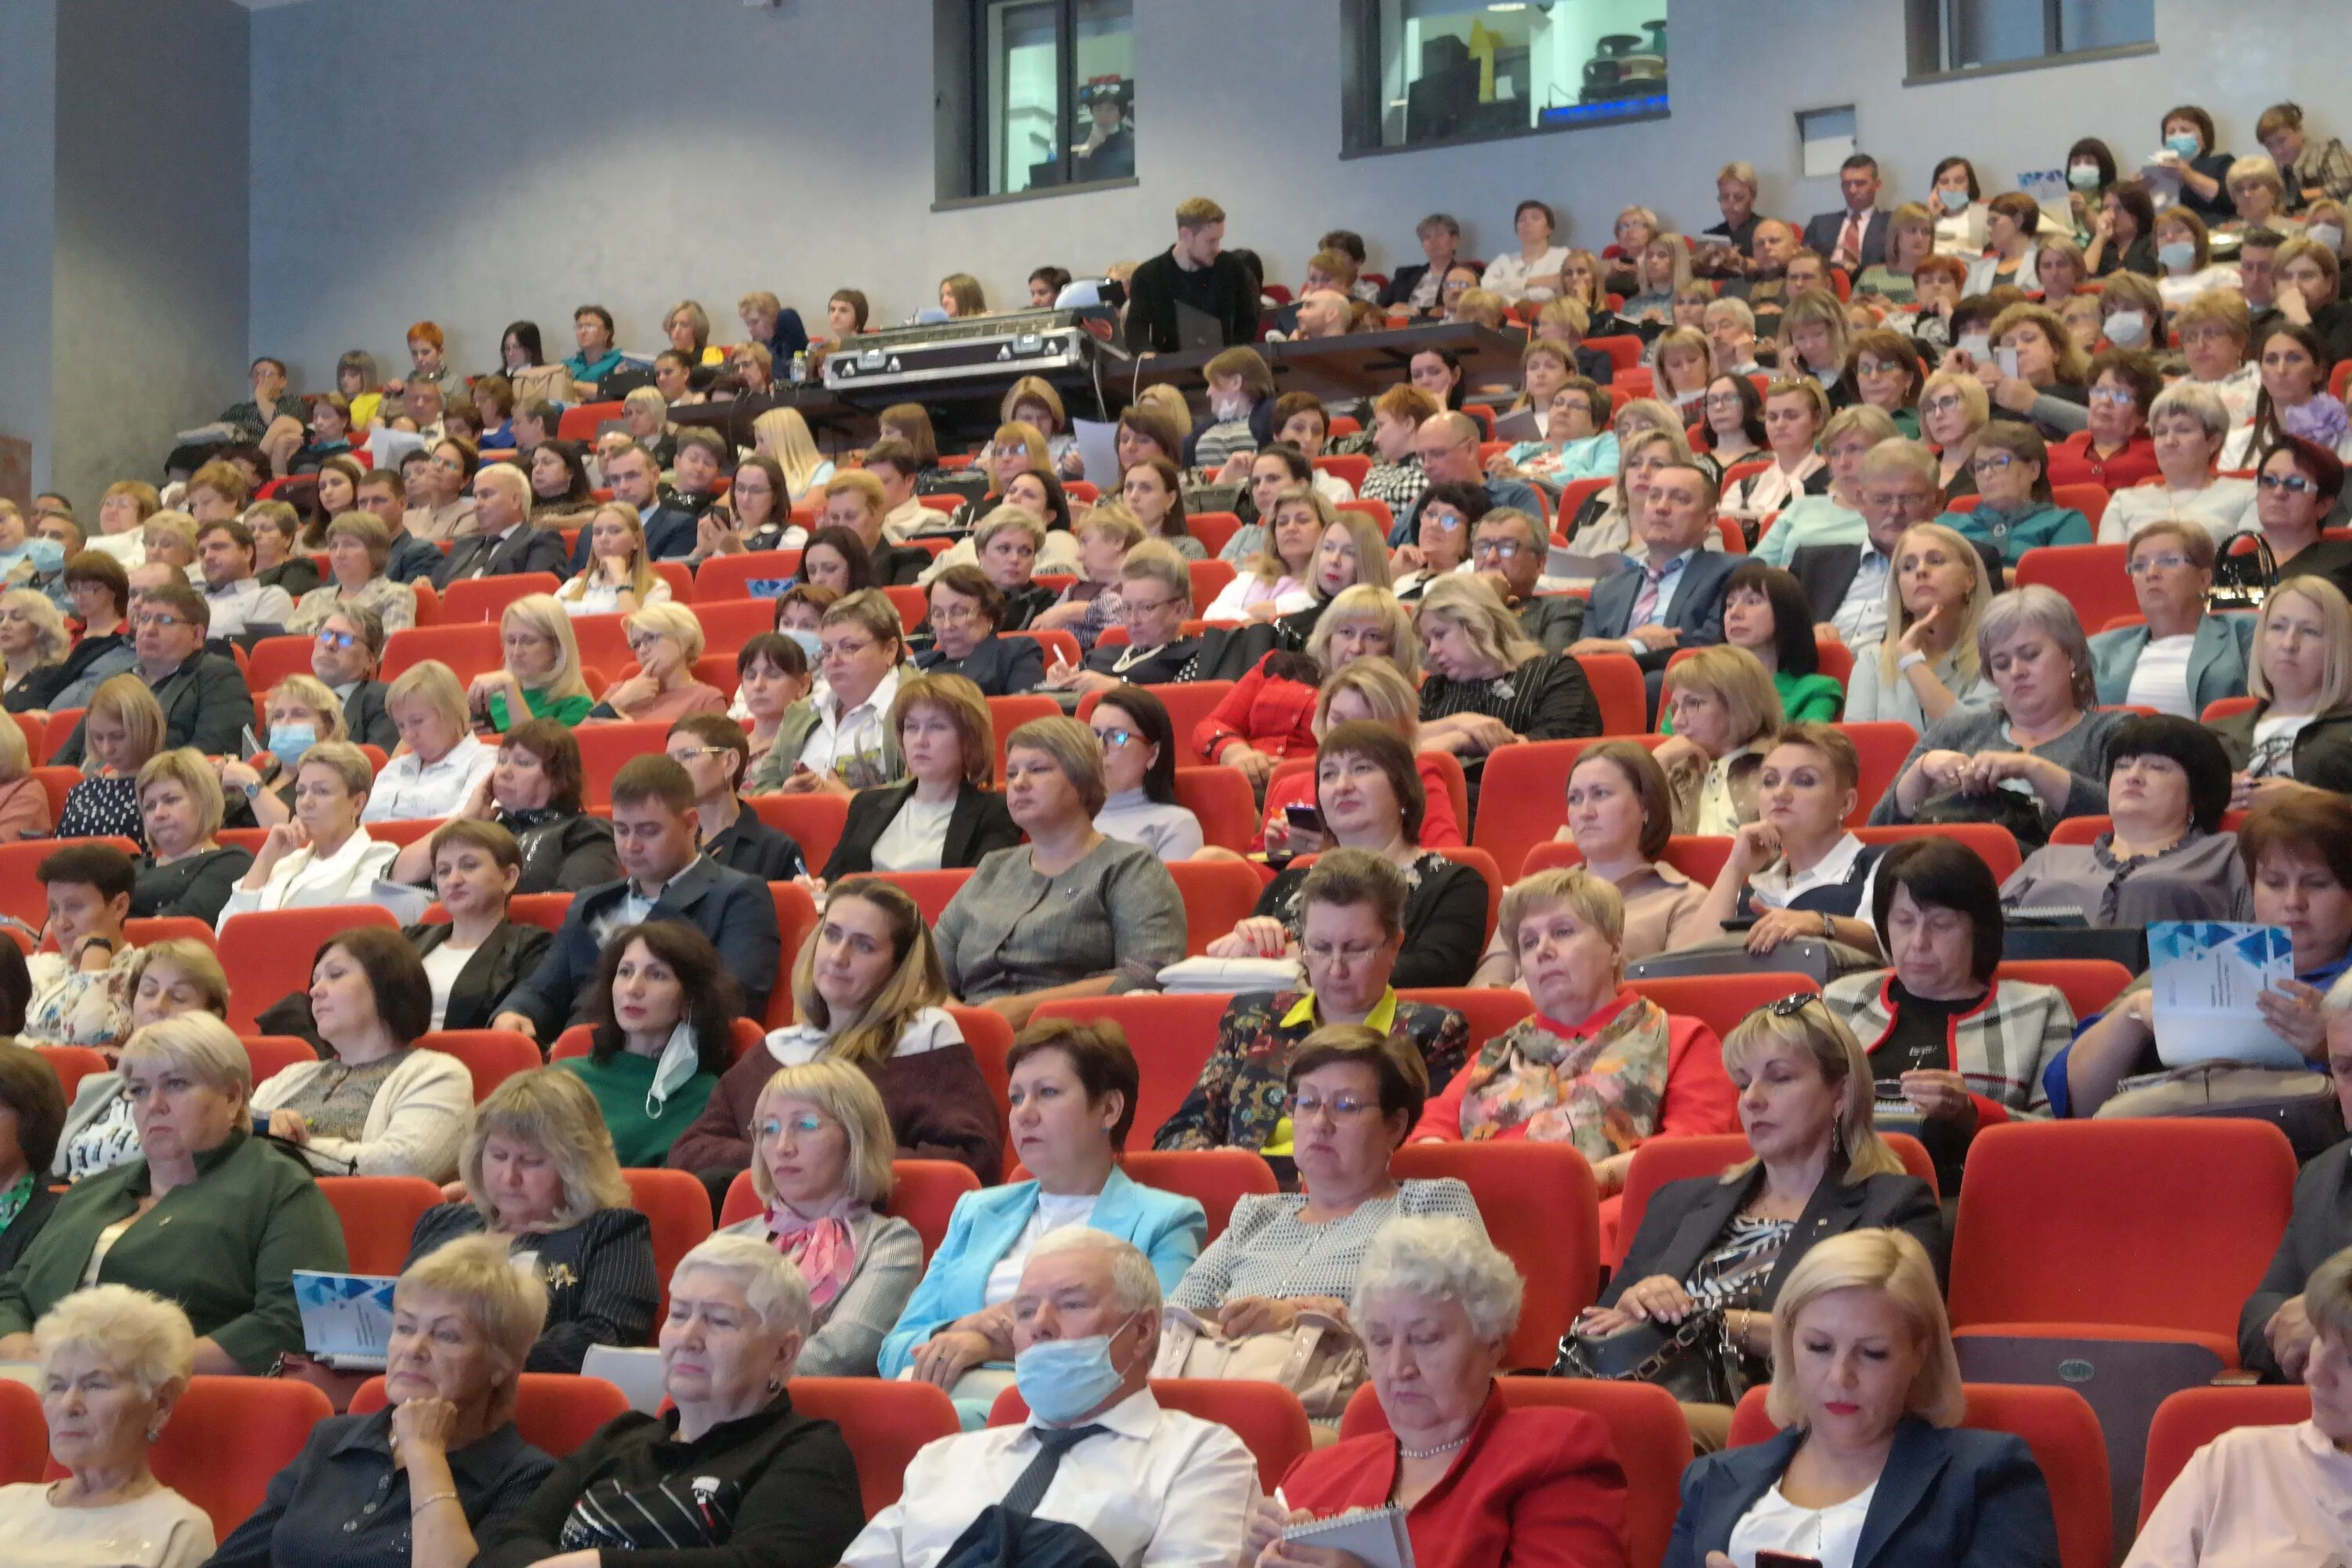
{"type": "Point", "coordinates": [954, 614]}
{"type": "Point", "coordinates": [688, 755]}
{"type": "Point", "coordinates": [1114, 737]}
{"type": "Point", "coordinates": [2171, 560]}
{"type": "Point", "coordinates": [1789, 1006]}
{"type": "Point", "coordinates": [161, 623]}
{"type": "Point", "coordinates": [1990, 463]}
{"type": "Point", "coordinates": [337, 639]}
{"type": "Point", "coordinates": [1946, 403]}
{"type": "Point", "coordinates": [1446, 520]}
{"type": "Point", "coordinates": [1339, 1107]}
{"type": "Point", "coordinates": [1145, 607]}
{"type": "Point", "coordinates": [2294, 484]}
{"type": "Point", "coordinates": [2114, 396]}
{"type": "Point", "coordinates": [1500, 549]}
{"type": "Point", "coordinates": [806, 1124]}
{"type": "Point", "coordinates": [641, 646]}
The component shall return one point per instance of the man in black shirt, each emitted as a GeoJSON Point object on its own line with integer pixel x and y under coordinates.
{"type": "Point", "coordinates": [1195, 271]}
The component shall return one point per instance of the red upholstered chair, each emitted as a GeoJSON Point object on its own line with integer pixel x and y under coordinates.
{"type": "Point", "coordinates": [2081, 829]}
{"type": "Point", "coordinates": [268, 952]}
{"type": "Point", "coordinates": [1720, 1001]}
{"type": "Point", "coordinates": [408, 832]}
{"type": "Point", "coordinates": [1490, 871]}
{"type": "Point", "coordinates": [545, 910]}
{"type": "Point", "coordinates": [486, 598]}
{"type": "Point", "coordinates": [1218, 1177]}
{"type": "Point", "coordinates": [2092, 576]}
{"type": "Point", "coordinates": [1009, 713]}
{"type": "Point", "coordinates": [729, 577]}
{"type": "Point", "coordinates": [814, 821]}
{"type": "Point", "coordinates": [1354, 468]}
{"type": "Point", "coordinates": [1992, 842]}
{"type": "Point", "coordinates": [923, 1193]}
{"type": "Point", "coordinates": [468, 650]}
{"type": "Point", "coordinates": [1617, 687]}
{"type": "Point", "coordinates": [1487, 1009]}
{"type": "Point", "coordinates": [24, 1434]}
{"type": "Point", "coordinates": [1522, 801]}
{"type": "Point", "coordinates": [990, 1036]}
{"type": "Point", "coordinates": [1377, 511]}
{"type": "Point", "coordinates": [1645, 1424]}
{"type": "Point", "coordinates": [379, 1215]}
{"type": "Point", "coordinates": [1221, 798]}
{"type": "Point", "coordinates": [2193, 1417]}
{"type": "Point", "coordinates": [492, 1055]}
{"type": "Point", "coordinates": [676, 1205]}
{"type": "Point", "coordinates": [604, 747]}
{"type": "Point", "coordinates": [1173, 1037]}
{"type": "Point", "coordinates": [1556, 1242]}
{"type": "Point", "coordinates": [795, 923]}
{"type": "Point", "coordinates": [273, 1054]}
{"type": "Point", "coordinates": [2077, 1229]}
{"type": "Point", "coordinates": [1882, 743]}
{"type": "Point", "coordinates": [932, 891]}
{"type": "Point", "coordinates": [1218, 895]}
{"type": "Point", "coordinates": [556, 1412]}
{"type": "Point", "coordinates": [1210, 576]}
{"type": "Point", "coordinates": [72, 1064]}
{"type": "Point", "coordinates": [272, 659]}
{"type": "Point", "coordinates": [2091, 985]}
{"type": "Point", "coordinates": [1266, 1416]}
{"type": "Point", "coordinates": [227, 1437]}
{"type": "Point", "coordinates": [884, 1424]}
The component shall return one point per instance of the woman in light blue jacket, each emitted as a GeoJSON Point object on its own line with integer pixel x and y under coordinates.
{"type": "Point", "coordinates": [1072, 1095]}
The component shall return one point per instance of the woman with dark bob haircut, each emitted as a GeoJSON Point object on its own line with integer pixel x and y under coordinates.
{"type": "Point", "coordinates": [2165, 858]}
{"type": "Point", "coordinates": [1953, 1051]}
{"type": "Point", "coordinates": [535, 792]}
{"type": "Point", "coordinates": [662, 1023]}
{"type": "Point", "coordinates": [35, 1107]}
{"type": "Point", "coordinates": [1765, 611]}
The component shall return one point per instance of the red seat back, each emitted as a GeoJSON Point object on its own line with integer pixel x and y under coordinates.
{"type": "Point", "coordinates": [604, 747]}
{"type": "Point", "coordinates": [886, 1424]}
{"type": "Point", "coordinates": [1219, 1178]}
{"type": "Point", "coordinates": [468, 650]}
{"type": "Point", "coordinates": [1555, 1243]}
{"type": "Point", "coordinates": [556, 1412]}
{"type": "Point", "coordinates": [990, 1036]}
{"type": "Point", "coordinates": [1881, 745]}
{"type": "Point", "coordinates": [1991, 842]}
{"type": "Point", "coordinates": [23, 1433]}
{"type": "Point", "coordinates": [1720, 1001]}
{"type": "Point", "coordinates": [487, 599]}
{"type": "Point", "coordinates": [1617, 687]}
{"type": "Point", "coordinates": [1172, 1036]}
{"type": "Point", "coordinates": [731, 577]}
{"type": "Point", "coordinates": [676, 1205]}
{"type": "Point", "coordinates": [492, 1055]}
{"type": "Point", "coordinates": [1221, 798]}
{"type": "Point", "coordinates": [795, 923]}
{"type": "Point", "coordinates": [379, 1215]}
{"type": "Point", "coordinates": [268, 952]}
{"type": "Point", "coordinates": [2091, 576]}
{"type": "Point", "coordinates": [813, 820]}
{"type": "Point", "coordinates": [1266, 1418]}
{"type": "Point", "coordinates": [2091, 985]}
{"type": "Point", "coordinates": [1218, 895]}
{"type": "Point", "coordinates": [932, 891]}
{"type": "Point", "coordinates": [72, 1064]}
{"type": "Point", "coordinates": [228, 1436]}
{"type": "Point", "coordinates": [2193, 1417]}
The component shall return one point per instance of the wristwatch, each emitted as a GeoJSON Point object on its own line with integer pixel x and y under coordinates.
{"type": "Point", "coordinates": [1829, 927]}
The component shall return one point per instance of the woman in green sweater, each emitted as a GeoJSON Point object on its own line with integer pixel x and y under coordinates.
{"type": "Point", "coordinates": [209, 1216]}
{"type": "Point", "coordinates": [663, 1022]}
{"type": "Point", "coordinates": [540, 677]}
{"type": "Point", "coordinates": [1765, 612]}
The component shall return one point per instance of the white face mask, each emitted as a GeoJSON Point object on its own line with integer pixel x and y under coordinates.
{"type": "Point", "coordinates": [1228, 409]}
{"type": "Point", "coordinates": [2325, 236]}
{"type": "Point", "coordinates": [2126, 329]}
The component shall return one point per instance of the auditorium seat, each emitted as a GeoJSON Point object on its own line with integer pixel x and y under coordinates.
{"type": "Point", "coordinates": [676, 1205]}
{"type": "Point", "coordinates": [22, 895]}
{"type": "Point", "coordinates": [486, 598]}
{"type": "Point", "coordinates": [1488, 1010]}
{"type": "Point", "coordinates": [227, 1437]}
{"type": "Point", "coordinates": [268, 952]}
{"type": "Point", "coordinates": [923, 1194]}
{"type": "Point", "coordinates": [813, 820]}
{"type": "Point", "coordinates": [932, 891]}
{"type": "Point", "coordinates": [1057, 647]}
{"type": "Point", "coordinates": [1555, 1243]}
{"type": "Point", "coordinates": [1221, 798]}
{"type": "Point", "coordinates": [1377, 511]}
{"type": "Point", "coordinates": [556, 1412]}
{"type": "Point", "coordinates": [729, 624]}
{"type": "Point", "coordinates": [1266, 1418]}
{"type": "Point", "coordinates": [1352, 466]}
{"type": "Point", "coordinates": [1618, 690]}
{"type": "Point", "coordinates": [468, 650]}
{"type": "Point", "coordinates": [884, 1424]}
{"type": "Point", "coordinates": [2057, 1424]}
{"type": "Point", "coordinates": [2091, 985]}
{"type": "Point", "coordinates": [1173, 1037]}
{"type": "Point", "coordinates": [1006, 714]}
{"type": "Point", "coordinates": [1522, 800]}
{"type": "Point", "coordinates": [602, 644]}
{"type": "Point", "coordinates": [1720, 1001]}
{"type": "Point", "coordinates": [1993, 843]}
{"type": "Point", "coordinates": [2091, 576]}
{"type": "Point", "coordinates": [271, 1054]}
{"type": "Point", "coordinates": [23, 1433]}
{"type": "Point", "coordinates": [795, 923]}
{"type": "Point", "coordinates": [379, 1215]}
{"type": "Point", "coordinates": [1645, 1426]}
{"type": "Point", "coordinates": [2079, 1229]}
{"type": "Point", "coordinates": [989, 1034]}
{"type": "Point", "coordinates": [2193, 1417]}
{"type": "Point", "coordinates": [603, 748]}
{"type": "Point", "coordinates": [492, 1055]}
{"type": "Point", "coordinates": [1490, 872]}
{"type": "Point", "coordinates": [1219, 1178]}
{"type": "Point", "coordinates": [1218, 895]}
{"type": "Point", "coordinates": [1658, 1160]}
{"type": "Point", "coordinates": [72, 1064]}
{"type": "Point", "coordinates": [406, 831]}
{"type": "Point", "coordinates": [61, 729]}
{"type": "Point", "coordinates": [1880, 745]}
{"type": "Point", "coordinates": [545, 910]}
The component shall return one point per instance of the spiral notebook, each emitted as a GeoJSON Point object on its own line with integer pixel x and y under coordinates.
{"type": "Point", "coordinates": [1375, 1536]}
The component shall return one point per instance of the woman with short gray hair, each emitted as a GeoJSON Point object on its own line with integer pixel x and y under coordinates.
{"type": "Point", "coordinates": [2191, 425]}
{"type": "Point", "coordinates": [1435, 1303]}
{"type": "Point", "coordinates": [114, 1361]}
{"type": "Point", "coordinates": [731, 1473]}
{"type": "Point", "coordinates": [2044, 729]}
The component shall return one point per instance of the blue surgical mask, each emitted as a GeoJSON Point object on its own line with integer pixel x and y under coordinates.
{"type": "Point", "coordinates": [1063, 1379]}
{"type": "Point", "coordinates": [2185, 143]}
{"type": "Point", "coordinates": [2176, 256]}
{"type": "Point", "coordinates": [2127, 329]}
{"type": "Point", "coordinates": [2083, 176]}
{"type": "Point", "coordinates": [1953, 200]}
{"type": "Point", "coordinates": [805, 637]}
{"type": "Point", "coordinates": [289, 741]}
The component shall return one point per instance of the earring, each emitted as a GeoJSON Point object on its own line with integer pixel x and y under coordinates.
{"type": "Point", "coordinates": [1837, 1138]}
{"type": "Point", "coordinates": [775, 1385]}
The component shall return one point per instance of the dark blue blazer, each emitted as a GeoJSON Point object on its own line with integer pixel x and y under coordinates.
{"type": "Point", "coordinates": [735, 911]}
{"type": "Point", "coordinates": [1695, 608]}
{"type": "Point", "coordinates": [1948, 1498]}
{"type": "Point", "coordinates": [1822, 231]}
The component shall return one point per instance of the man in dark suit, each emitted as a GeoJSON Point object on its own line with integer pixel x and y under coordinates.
{"type": "Point", "coordinates": [1673, 597]}
{"type": "Point", "coordinates": [344, 656]}
{"type": "Point", "coordinates": [666, 877]}
{"type": "Point", "coordinates": [1845, 584]}
{"type": "Point", "coordinates": [507, 542]}
{"type": "Point", "coordinates": [1447, 446]}
{"type": "Point", "coordinates": [1507, 549]}
{"type": "Point", "coordinates": [205, 701]}
{"type": "Point", "coordinates": [384, 497]}
{"type": "Point", "coordinates": [1421, 288]}
{"type": "Point", "coordinates": [1854, 236]}
{"type": "Point", "coordinates": [717, 755]}
{"type": "Point", "coordinates": [635, 481]}
{"type": "Point", "coordinates": [1194, 272]}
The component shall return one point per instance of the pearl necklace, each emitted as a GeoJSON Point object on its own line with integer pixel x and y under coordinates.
{"type": "Point", "coordinates": [1404, 1452]}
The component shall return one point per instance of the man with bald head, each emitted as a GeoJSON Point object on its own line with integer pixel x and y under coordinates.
{"type": "Point", "coordinates": [1447, 445]}
{"type": "Point", "coordinates": [1323, 313]}
{"type": "Point", "coordinates": [1765, 287]}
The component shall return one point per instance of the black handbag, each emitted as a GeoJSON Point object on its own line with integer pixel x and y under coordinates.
{"type": "Point", "coordinates": [1693, 1361]}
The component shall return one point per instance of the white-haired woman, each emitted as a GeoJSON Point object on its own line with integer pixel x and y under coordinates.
{"type": "Point", "coordinates": [32, 638]}
{"type": "Point", "coordinates": [1867, 1389]}
{"type": "Point", "coordinates": [766, 1484]}
{"type": "Point", "coordinates": [820, 1147]}
{"type": "Point", "coordinates": [114, 1361]}
{"type": "Point", "coordinates": [2190, 424]}
{"type": "Point", "coordinates": [541, 1176]}
{"type": "Point", "coordinates": [324, 856]}
{"type": "Point", "coordinates": [242, 1216]}
{"type": "Point", "coordinates": [1480, 1482]}
{"type": "Point", "coordinates": [442, 1467]}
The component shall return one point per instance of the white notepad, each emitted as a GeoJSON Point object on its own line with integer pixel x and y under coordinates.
{"type": "Point", "coordinates": [1375, 1535]}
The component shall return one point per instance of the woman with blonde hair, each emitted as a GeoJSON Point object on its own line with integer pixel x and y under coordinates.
{"type": "Point", "coordinates": [540, 1175]}
{"type": "Point", "coordinates": [1684, 358]}
{"type": "Point", "coordinates": [540, 676]}
{"type": "Point", "coordinates": [1662, 265]}
{"type": "Point", "coordinates": [1016, 448]}
{"type": "Point", "coordinates": [1953, 411]}
{"type": "Point", "coordinates": [1910, 240]}
{"type": "Point", "coordinates": [440, 761]}
{"type": "Point", "coordinates": [1813, 335]}
{"type": "Point", "coordinates": [1032, 401]}
{"type": "Point", "coordinates": [645, 413]}
{"type": "Point", "coordinates": [1365, 689]}
{"type": "Point", "coordinates": [960, 296]}
{"type": "Point", "coordinates": [324, 856]}
{"type": "Point", "coordinates": [821, 1148]}
{"type": "Point", "coordinates": [33, 637]}
{"type": "Point", "coordinates": [301, 712]}
{"type": "Point", "coordinates": [688, 327]}
{"type": "Point", "coordinates": [1489, 682]}
{"type": "Point", "coordinates": [24, 799]}
{"type": "Point", "coordinates": [1275, 582]}
{"type": "Point", "coordinates": [358, 548]}
{"type": "Point", "coordinates": [1937, 594]}
{"type": "Point", "coordinates": [783, 434]}
{"type": "Point", "coordinates": [2299, 730]}
{"type": "Point", "coordinates": [1613, 519]}
{"type": "Point", "coordinates": [114, 1364]}
{"type": "Point", "coordinates": [1090, 603]}
{"type": "Point", "coordinates": [1867, 1389]}
{"type": "Point", "coordinates": [618, 578]}
{"type": "Point", "coordinates": [123, 728]}
{"type": "Point", "coordinates": [667, 640]}
{"type": "Point", "coordinates": [185, 871]}
{"type": "Point", "coordinates": [869, 992]}
{"type": "Point", "coordinates": [1720, 711]}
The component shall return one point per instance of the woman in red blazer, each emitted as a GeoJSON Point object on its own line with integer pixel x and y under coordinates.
{"type": "Point", "coordinates": [1482, 1485]}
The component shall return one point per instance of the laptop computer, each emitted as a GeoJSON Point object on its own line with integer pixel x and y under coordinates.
{"type": "Point", "coordinates": [1196, 329]}
{"type": "Point", "coordinates": [346, 1318]}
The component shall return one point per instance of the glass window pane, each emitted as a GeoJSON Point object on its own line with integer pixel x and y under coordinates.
{"type": "Point", "coordinates": [1024, 65]}
{"type": "Point", "coordinates": [1451, 69]}
{"type": "Point", "coordinates": [1103, 139]}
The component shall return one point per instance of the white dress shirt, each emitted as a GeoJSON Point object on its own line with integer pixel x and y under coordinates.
{"type": "Point", "coordinates": [411, 789]}
{"type": "Point", "coordinates": [1861, 615]}
{"type": "Point", "coordinates": [2161, 677]}
{"type": "Point", "coordinates": [901, 523]}
{"type": "Point", "coordinates": [840, 736]}
{"type": "Point", "coordinates": [246, 603]}
{"type": "Point", "coordinates": [1508, 274]}
{"type": "Point", "coordinates": [301, 880]}
{"type": "Point", "coordinates": [2259, 1497]}
{"type": "Point", "coordinates": [2224, 508]}
{"type": "Point", "coordinates": [1160, 1488]}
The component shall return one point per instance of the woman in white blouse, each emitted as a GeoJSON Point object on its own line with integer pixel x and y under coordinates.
{"type": "Point", "coordinates": [618, 579]}
{"type": "Point", "coordinates": [1925, 665]}
{"type": "Point", "coordinates": [2184, 255]}
{"type": "Point", "coordinates": [324, 856]}
{"type": "Point", "coordinates": [378, 1106]}
{"type": "Point", "coordinates": [1795, 409]}
{"type": "Point", "coordinates": [2191, 425]}
{"type": "Point", "coordinates": [440, 761]}
{"type": "Point", "coordinates": [1276, 583]}
{"type": "Point", "coordinates": [1531, 272]}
